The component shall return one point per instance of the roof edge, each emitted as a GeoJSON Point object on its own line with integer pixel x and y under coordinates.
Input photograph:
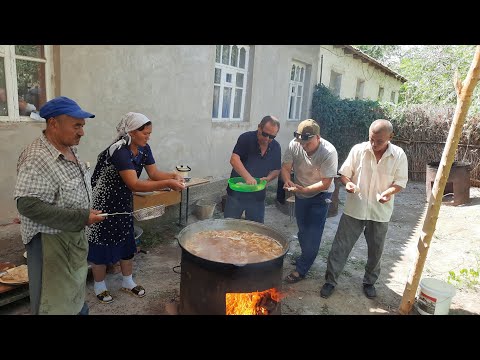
{"type": "Point", "coordinates": [374, 62]}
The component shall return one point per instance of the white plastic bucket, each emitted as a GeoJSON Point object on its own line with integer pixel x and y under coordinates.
{"type": "Point", "coordinates": [435, 297]}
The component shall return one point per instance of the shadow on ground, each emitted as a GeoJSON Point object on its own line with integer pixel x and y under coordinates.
{"type": "Point", "coordinates": [455, 246]}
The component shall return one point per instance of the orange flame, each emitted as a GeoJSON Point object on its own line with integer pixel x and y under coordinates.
{"type": "Point", "coordinates": [251, 303]}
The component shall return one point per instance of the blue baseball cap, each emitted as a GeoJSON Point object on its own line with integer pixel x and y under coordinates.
{"type": "Point", "coordinates": [63, 105]}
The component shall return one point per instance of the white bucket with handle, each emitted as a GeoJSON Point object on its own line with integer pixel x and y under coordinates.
{"type": "Point", "coordinates": [435, 297]}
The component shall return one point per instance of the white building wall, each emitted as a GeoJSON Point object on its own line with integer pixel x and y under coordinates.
{"type": "Point", "coordinates": [353, 69]}
{"type": "Point", "coordinates": [173, 86]}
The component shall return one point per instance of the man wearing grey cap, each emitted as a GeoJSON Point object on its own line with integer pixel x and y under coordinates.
{"type": "Point", "coordinates": [315, 161]}
{"type": "Point", "coordinates": [53, 196]}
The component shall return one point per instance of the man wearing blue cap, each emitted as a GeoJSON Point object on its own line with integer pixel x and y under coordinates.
{"type": "Point", "coordinates": [53, 195]}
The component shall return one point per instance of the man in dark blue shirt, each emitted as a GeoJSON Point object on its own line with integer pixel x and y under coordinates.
{"type": "Point", "coordinates": [256, 155]}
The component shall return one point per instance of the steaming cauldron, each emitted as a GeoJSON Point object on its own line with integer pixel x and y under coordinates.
{"type": "Point", "coordinates": [205, 283]}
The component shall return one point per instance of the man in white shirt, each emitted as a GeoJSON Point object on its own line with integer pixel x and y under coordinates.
{"type": "Point", "coordinates": [372, 173]}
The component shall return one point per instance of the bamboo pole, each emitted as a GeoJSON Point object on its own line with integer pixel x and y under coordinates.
{"type": "Point", "coordinates": [464, 98]}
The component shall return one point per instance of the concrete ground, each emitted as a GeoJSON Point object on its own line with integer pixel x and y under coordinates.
{"type": "Point", "coordinates": [454, 253]}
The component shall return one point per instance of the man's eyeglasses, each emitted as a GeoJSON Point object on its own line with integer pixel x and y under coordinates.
{"type": "Point", "coordinates": [302, 137]}
{"type": "Point", "coordinates": [264, 134]}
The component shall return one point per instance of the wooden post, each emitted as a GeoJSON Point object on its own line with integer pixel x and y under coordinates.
{"type": "Point", "coordinates": [464, 98]}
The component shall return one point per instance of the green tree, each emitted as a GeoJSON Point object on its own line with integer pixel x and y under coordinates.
{"type": "Point", "coordinates": [388, 55]}
{"type": "Point", "coordinates": [430, 71]}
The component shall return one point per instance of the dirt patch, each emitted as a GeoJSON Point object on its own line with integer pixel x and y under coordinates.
{"type": "Point", "coordinates": [455, 246]}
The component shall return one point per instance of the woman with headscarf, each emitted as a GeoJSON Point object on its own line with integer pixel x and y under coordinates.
{"type": "Point", "coordinates": [116, 176]}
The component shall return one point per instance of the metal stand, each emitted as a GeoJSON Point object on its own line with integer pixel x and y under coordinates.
{"type": "Point", "coordinates": [186, 207]}
{"type": "Point", "coordinates": [188, 184]}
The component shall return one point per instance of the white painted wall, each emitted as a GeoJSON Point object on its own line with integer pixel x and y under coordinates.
{"type": "Point", "coordinates": [13, 138]}
{"type": "Point", "coordinates": [353, 69]}
{"type": "Point", "coordinates": [173, 86]}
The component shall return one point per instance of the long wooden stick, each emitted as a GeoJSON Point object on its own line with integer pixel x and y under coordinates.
{"type": "Point", "coordinates": [464, 98]}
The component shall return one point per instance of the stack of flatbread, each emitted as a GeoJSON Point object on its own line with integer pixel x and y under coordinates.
{"type": "Point", "coordinates": [16, 275]}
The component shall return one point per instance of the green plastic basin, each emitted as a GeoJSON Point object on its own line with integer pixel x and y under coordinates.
{"type": "Point", "coordinates": [238, 184]}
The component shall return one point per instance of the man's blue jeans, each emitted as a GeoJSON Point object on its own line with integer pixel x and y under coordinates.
{"type": "Point", "coordinates": [238, 202]}
{"type": "Point", "coordinates": [311, 215]}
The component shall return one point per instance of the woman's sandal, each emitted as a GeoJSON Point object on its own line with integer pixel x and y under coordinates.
{"type": "Point", "coordinates": [292, 278]}
{"type": "Point", "coordinates": [105, 297]}
{"type": "Point", "coordinates": [135, 291]}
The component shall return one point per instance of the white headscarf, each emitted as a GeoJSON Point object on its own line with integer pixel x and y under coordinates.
{"type": "Point", "coordinates": [130, 121]}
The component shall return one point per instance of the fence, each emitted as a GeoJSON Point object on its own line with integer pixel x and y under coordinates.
{"type": "Point", "coordinates": [420, 153]}
{"type": "Point", "coordinates": [422, 135]}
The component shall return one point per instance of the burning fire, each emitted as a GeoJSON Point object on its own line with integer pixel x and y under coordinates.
{"type": "Point", "coordinates": [254, 303]}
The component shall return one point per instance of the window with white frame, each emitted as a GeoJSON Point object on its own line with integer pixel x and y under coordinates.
{"type": "Point", "coordinates": [359, 89]}
{"type": "Point", "coordinates": [381, 90]}
{"type": "Point", "coordinates": [295, 90]}
{"type": "Point", "coordinates": [230, 82]}
{"type": "Point", "coordinates": [25, 80]}
{"type": "Point", "coordinates": [392, 97]}
{"type": "Point", "coordinates": [335, 82]}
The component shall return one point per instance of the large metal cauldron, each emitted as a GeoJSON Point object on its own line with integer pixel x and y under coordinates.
{"type": "Point", "coordinates": [204, 283]}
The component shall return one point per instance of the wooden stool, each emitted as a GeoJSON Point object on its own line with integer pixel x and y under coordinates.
{"type": "Point", "coordinates": [291, 206]}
